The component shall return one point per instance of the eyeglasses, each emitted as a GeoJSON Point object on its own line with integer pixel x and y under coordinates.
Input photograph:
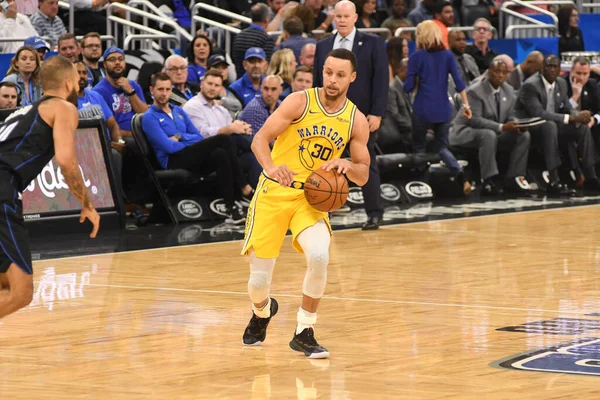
{"type": "Point", "coordinates": [482, 29]}
{"type": "Point", "coordinates": [175, 69]}
{"type": "Point", "coordinates": [115, 59]}
{"type": "Point", "coordinates": [92, 46]}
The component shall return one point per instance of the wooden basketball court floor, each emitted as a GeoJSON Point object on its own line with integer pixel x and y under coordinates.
{"type": "Point", "coordinates": [410, 312]}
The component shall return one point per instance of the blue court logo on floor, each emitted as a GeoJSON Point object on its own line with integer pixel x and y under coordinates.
{"type": "Point", "coordinates": [580, 356]}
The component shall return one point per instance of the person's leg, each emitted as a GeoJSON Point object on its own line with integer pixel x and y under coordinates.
{"type": "Point", "coordinates": [442, 131]}
{"type": "Point", "coordinates": [19, 290]}
{"type": "Point", "coordinates": [518, 144]}
{"type": "Point", "coordinates": [371, 190]}
{"type": "Point", "coordinates": [228, 144]}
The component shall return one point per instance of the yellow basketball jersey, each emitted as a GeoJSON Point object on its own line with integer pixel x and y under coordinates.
{"type": "Point", "coordinates": [314, 138]}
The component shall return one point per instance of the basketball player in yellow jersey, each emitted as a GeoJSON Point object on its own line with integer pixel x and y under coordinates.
{"type": "Point", "coordinates": [312, 129]}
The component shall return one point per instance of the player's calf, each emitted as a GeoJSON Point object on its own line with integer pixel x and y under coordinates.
{"type": "Point", "coordinates": [20, 291]}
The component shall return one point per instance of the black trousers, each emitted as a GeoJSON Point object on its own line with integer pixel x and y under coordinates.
{"type": "Point", "coordinates": [209, 155]}
{"type": "Point", "coordinates": [371, 189]}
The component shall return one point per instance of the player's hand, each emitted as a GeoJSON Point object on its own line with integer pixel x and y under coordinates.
{"type": "Point", "coordinates": [91, 214]}
{"type": "Point", "coordinates": [282, 174]}
{"type": "Point", "coordinates": [374, 122]}
{"type": "Point", "coordinates": [341, 164]}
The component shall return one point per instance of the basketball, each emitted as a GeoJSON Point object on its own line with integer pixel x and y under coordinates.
{"type": "Point", "coordinates": [326, 191]}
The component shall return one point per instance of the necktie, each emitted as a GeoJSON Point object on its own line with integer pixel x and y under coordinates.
{"type": "Point", "coordinates": [345, 43]}
{"type": "Point", "coordinates": [550, 105]}
{"type": "Point", "coordinates": [497, 96]}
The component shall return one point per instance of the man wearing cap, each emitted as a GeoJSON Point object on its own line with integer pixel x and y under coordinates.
{"type": "Point", "coordinates": [248, 86]}
{"type": "Point", "coordinates": [14, 25]}
{"type": "Point", "coordinates": [176, 69]}
{"type": "Point", "coordinates": [45, 21]}
{"type": "Point", "coordinates": [122, 95]}
{"type": "Point", "coordinates": [254, 36]}
{"type": "Point", "coordinates": [38, 44]}
{"type": "Point", "coordinates": [228, 99]}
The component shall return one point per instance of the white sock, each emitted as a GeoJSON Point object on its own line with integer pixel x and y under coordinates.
{"type": "Point", "coordinates": [264, 311]}
{"type": "Point", "coordinates": [305, 320]}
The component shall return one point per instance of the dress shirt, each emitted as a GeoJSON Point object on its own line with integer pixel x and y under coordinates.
{"type": "Point", "coordinates": [207, 118]}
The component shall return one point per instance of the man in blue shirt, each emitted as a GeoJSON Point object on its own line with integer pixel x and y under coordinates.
{"type": "Point", "coordinates": [122, 95]}
{"type": "Point", "coordinates": [260, 108]}
{"type": "Point", "coordinates": [248, 86]}
{"type": "Point", "coordinates": [293, 39]}
{"type": "Point", "coordinates": [179, 145]}
{"type": "Point", "coordinates": [253, 36]}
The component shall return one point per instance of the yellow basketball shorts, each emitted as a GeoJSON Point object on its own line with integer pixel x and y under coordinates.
{"type": "Point", "coordinates": [273, 210]}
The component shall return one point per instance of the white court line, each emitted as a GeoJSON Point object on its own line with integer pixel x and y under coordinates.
{"type": "Point", "coordinates": [420, 303]}
{"type": "Point", "coordinates": [382, 229]}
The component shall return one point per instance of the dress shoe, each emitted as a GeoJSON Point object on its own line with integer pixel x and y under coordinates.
{"type": "Point", "coordinates": [518, 185]}
{"type": "Point", "coordinates": [488, 188]}
{"type": "Point", "coordinates": [591, 185]}
{"type": "Point", "coordinates": [372, 224]}
{"type": "Point", "coordinates": [558, 189]}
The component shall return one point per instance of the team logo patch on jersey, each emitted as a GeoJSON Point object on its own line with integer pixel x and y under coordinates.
{"type": "Point", "coordinates": [580, 357]}
{"type": "Point", "coordinates": [312, 152]}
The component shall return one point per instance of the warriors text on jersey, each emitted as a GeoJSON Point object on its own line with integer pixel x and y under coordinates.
{"type": "Point", "coordinates": [314, 138]}
{"type": "Point", "coordinates": [26, 145]}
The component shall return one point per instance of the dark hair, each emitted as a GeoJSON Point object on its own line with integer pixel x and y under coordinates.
{"type": "Point", "coordinates": [440, 5]}
{"type": "Point", "coordinates": [213, 72]}
{"type": "Point", "coordinates": [302, 68]}
{"type": "Point", "coordinates": [12, 85]}
{"type": "Point", "coordinates": [394, 51]}
{"type": "Point", "coordinates": [259, 12]}
{"type": "Point", "coordinates": [89, 35]}
{"type": "Point", "coordinates": [293, 25]}
{"type": "Point", "coordinates": [66, 36]}
{"type": "Point", "coordinates": [159, 76]}
{"type": "Point", "coordinates": [359, 4]}
{"type": "Point", "coordinates": [343, 54]}
{"type": "Point", "coordinates": [564, 14]}
{"type": "Point", "coordinates": [581, 61]}
{"type": "Point", "coordinates": [306, 16]}
{"type": "Point", "coordinates": [190, 51]}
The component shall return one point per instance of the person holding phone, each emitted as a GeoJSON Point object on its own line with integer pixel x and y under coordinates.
{"type": "Point", "coordinates": [13, 24]}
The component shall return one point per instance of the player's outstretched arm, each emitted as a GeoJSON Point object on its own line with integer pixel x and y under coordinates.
{"type": "Point", "coordinates": [64, 126]}
{"type": "Point", "coordinates": [356, 170]}
{"type": "Point", "coordinates": [291, 109]}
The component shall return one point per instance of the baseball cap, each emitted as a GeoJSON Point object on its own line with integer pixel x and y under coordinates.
{"type": "Point", "coordinates": [256, 52]}
{"type": "Point", "coordinates": [113, 50]}
{"type": "Point", "coordinates": [37, 42]}
{"type": "Point", "coordinates": [215, 60]}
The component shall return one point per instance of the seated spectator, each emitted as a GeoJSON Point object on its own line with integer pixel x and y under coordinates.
{"type": "Point", "coordinates": [531, 65]}
{"type": "Point", "coordinates": [91, 50]}
{"type": "Point", "coordinates": [398, 16]}
{"type": "Point", "coordinates": [366, 10]}
{"type": "Point", "coordinates": [124, 96]}
{"type": "Point", "coordinates": [467, 67]}
{"type": "Point", "coordinates": [545, 96]}
{"type": "Point", "coordinates": [197, 56]}
{"type": "Point", "coordinates": [284, 12]}
{"type": "Point", "coordinates": [68, 47]}
{"type": "Point", "coordinates": [177, 69]}
{"type": "Point", "coordinates": [27, 7]}
{"type": "Point", "coordinates": [253, 37]}
{"type": "Point", "coordinates": [227, 98]}
{"type": "Point", "coordinates": [322, 19]}
{"type": "Point", "coordinates": [283, 64]}
{"type": "Point", "coordinates": [9, 95]}
{"type": "Point", "coordinates": [493, 127]}
{"type": "Point", "coordinates": [47, 23]}
{"type": "Point", "coordinates": [394, 135]}
{"type": "Point", "coordinates": [13, 24]}
{"type": "Point", "coordinates": [570, 36]}
{"type": "Point", "coordinates": [179, 10]}
{"type": "Point", "coordinates": [292, 37]}
{"type": "Point", "coordinates": [302, 79]}
{"type": "Point", "coordinates": [24, 72]}
{"type": "Point", "coordinates": [443, 16]}
{"type": "Point", "coordinates": [39, 44]}
{"type": "Point", "coordinates": [307, 55]}
{"type": "Point", "coordinates": [90, 16]}
{"type": "Point", "coordinates": [480, 50]}
{"type": "Point", "coordinates": [423, 12]}
{"type": "Point", "coordinates": [212, 119]}
{"type": "Point", "coordinates": [248, 86]}
{"type": "Point", "coordinates": [397, 49]}
{"type": "Point", "coordinates": [261, 107]}
{"type": "Point", "coordinates": [178, 145]}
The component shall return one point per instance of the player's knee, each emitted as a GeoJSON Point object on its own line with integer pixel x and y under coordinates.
{"type": "Point", "coordinates": [259, 280]}
{"type": "Point", "coordinates": [23, 296]}
{"type": "Point", "coordinates": [317, 261]}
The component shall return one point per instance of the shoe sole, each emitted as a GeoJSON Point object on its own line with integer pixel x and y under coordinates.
{"type": "Point", "coordinates": [275, 307]}
{"type": "Point", "coordinates": [313, 356]}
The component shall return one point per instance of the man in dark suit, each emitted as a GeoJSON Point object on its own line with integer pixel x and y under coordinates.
{"type": "Point", "coordinates": [531, 65]}
{"type": "Point", "coordinates": [494, 126]}
{"type": "Point", "coordinates": [584, 93]}
{"type": "Point", "coordinates": [544, 95]}
{"type": "Point", "coordinates": [369, 91]}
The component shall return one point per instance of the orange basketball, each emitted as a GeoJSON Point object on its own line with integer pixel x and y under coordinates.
{"type": "Point", "coordinates": [326, 191]}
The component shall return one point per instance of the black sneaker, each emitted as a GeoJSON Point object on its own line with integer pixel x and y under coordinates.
{"type": "Point", "coordinates": [306, 343]}
{"type": "Point", "coordinates": [256, 331]}
{"type": "Point", "coordinates": [236, 215]}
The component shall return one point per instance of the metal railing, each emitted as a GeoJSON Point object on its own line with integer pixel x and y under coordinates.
{"type": "Point", "coordinates": [512, 28]}
{"type": "Point", "coordinates": [469, 29]}
{"type": "Point", "coordinates": [218, 11]}
{"type": "Point", "coordinates": [140, 37]}
{"type": "Point", "coordinates": [535, 24]}
{"type": "Point", "coordinates": [133, 28]}
{"type": "Point", "coordinates": [151, 8]}
{"type": "Point", "coordinates": [222, 30]}
{"type": "Point", "coordinates": [103, 38]}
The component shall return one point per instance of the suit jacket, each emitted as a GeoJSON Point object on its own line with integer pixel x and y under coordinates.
{"type": "Point", "coordinates": [514, 79]}
{"type": "Point", "coordinates": [533, 99]}
{"type": "Point", "coordinates": [396, 125]}
{"type": "Point", "coordinates": [590, 96]}
{"type": "Point", "coordinates": [468, 71]}
{"type": "Point", "coordinates": [369, 92]}
{"type": "Point", "coordinates": [484, 109]}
